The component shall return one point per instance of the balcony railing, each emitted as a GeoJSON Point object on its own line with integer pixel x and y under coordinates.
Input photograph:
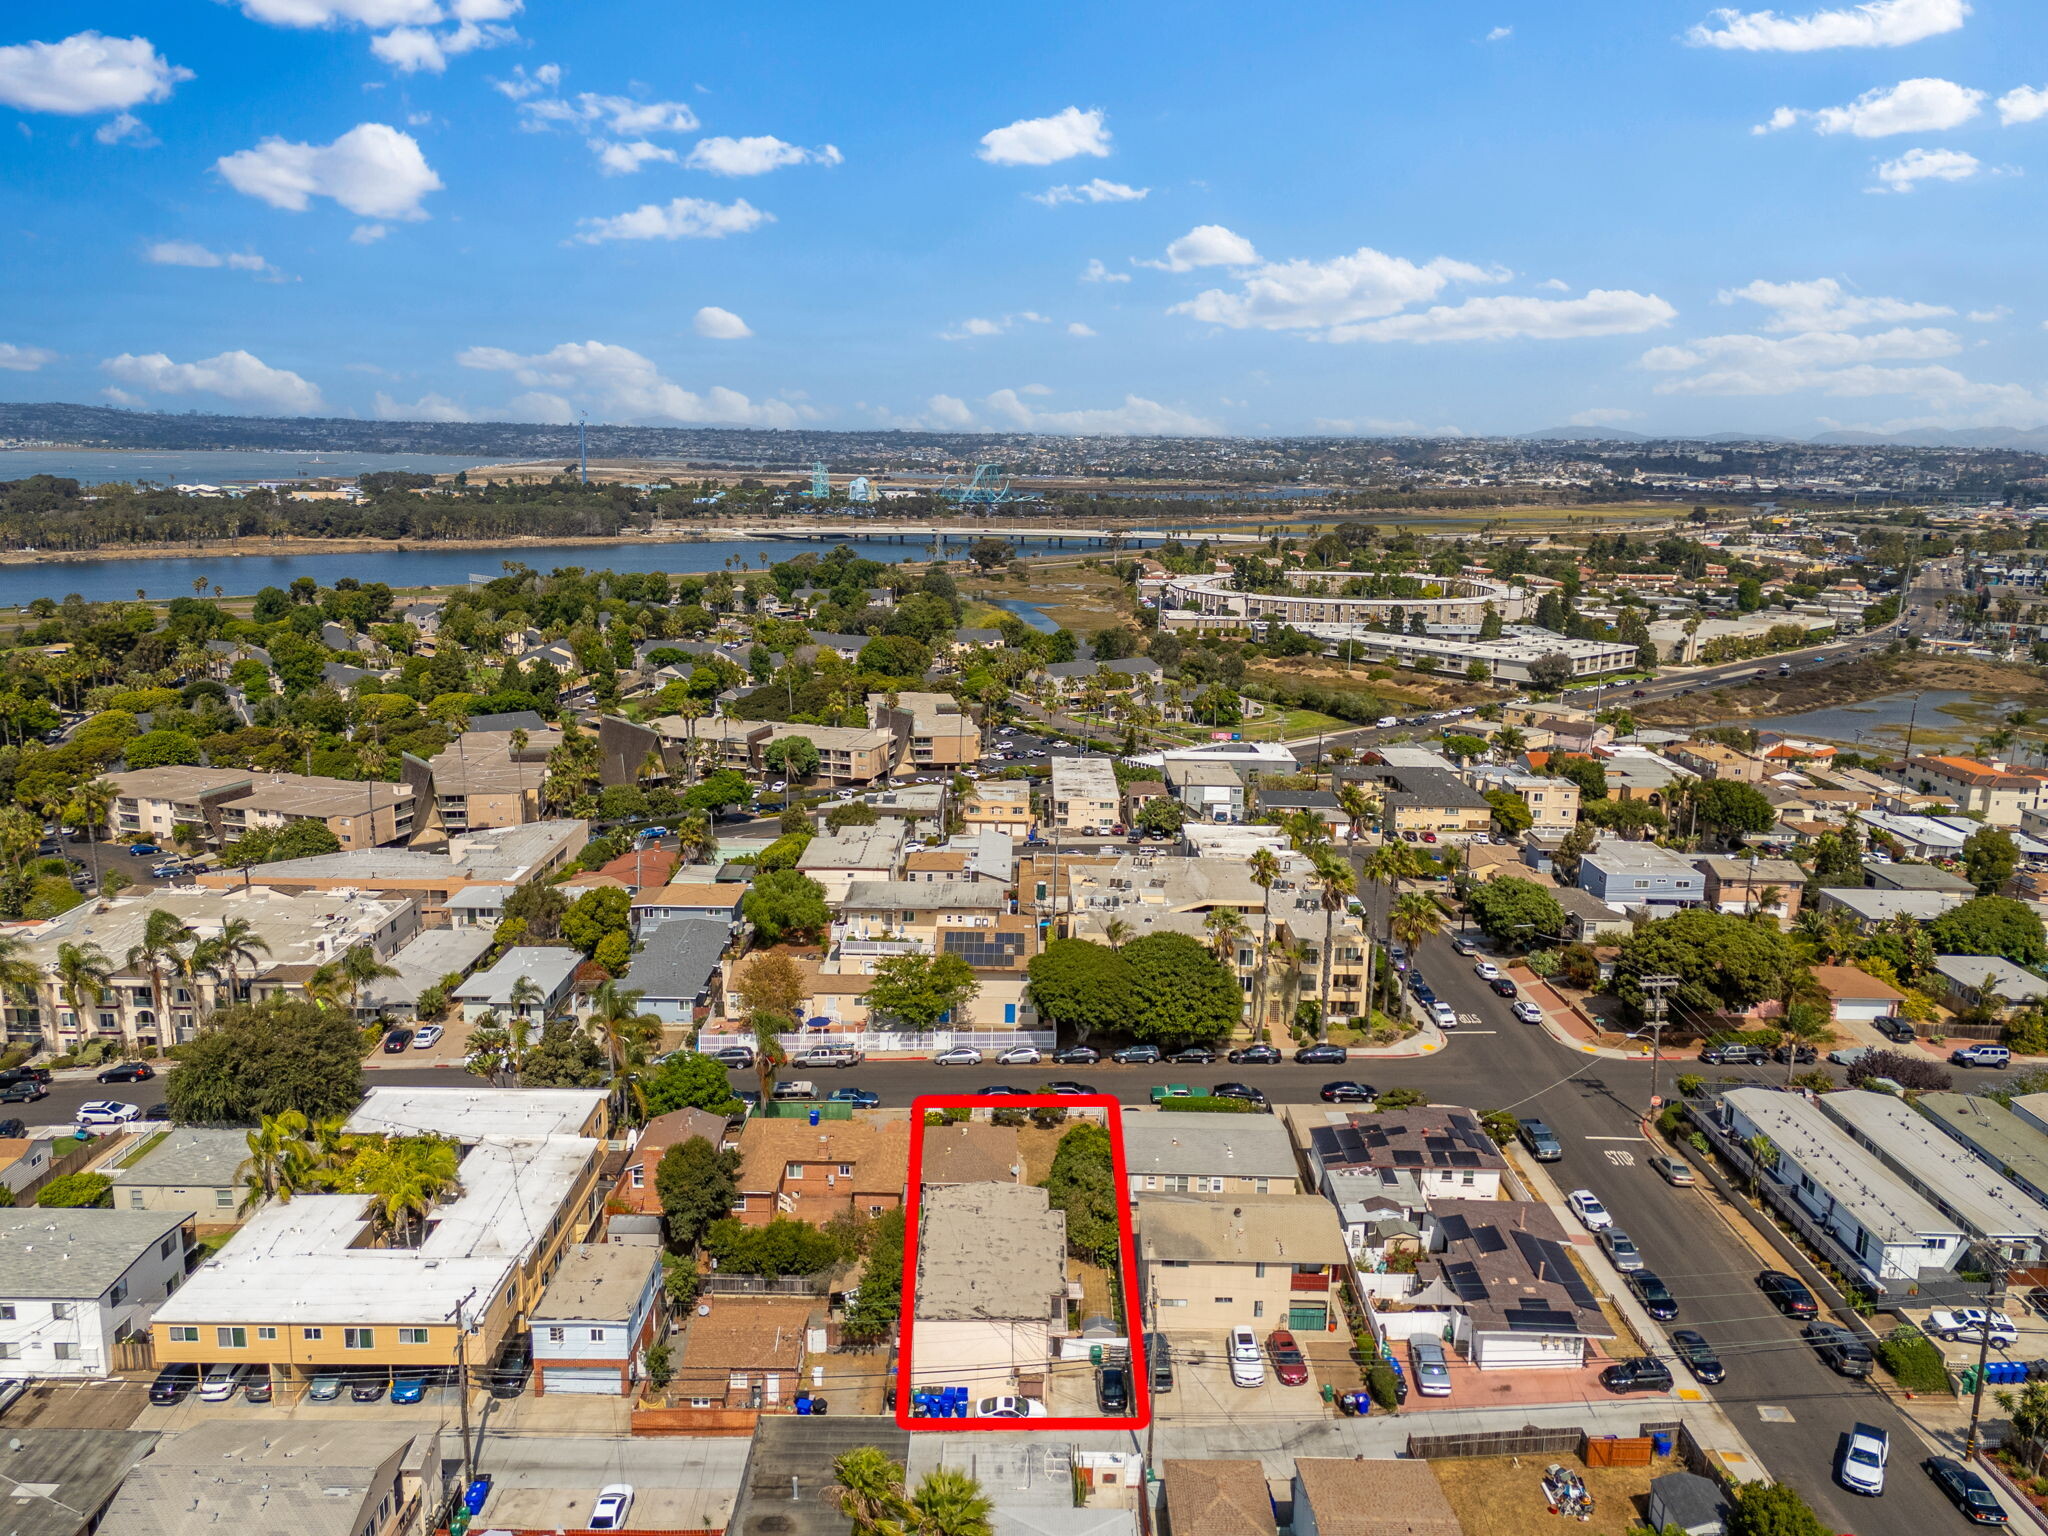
{"type": "Point", "coordinates": [1308, 1282]}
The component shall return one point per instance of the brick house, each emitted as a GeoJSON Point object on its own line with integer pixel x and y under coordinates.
{"type": "Point", "coordinates": [635, 1189]}
{"type": "Point", "coordinates": [816, 1172]}
{"type": "Point", "coordinates": [744, 1352]}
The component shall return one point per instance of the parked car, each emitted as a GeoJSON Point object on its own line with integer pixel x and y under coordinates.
{"type": "Point", "coordinates": [1247, 1365]}
{"type": "Point", "coordinates": [1159, 1362]}
{"type": "Point", "coordinates": [160, 1110]}
{"type": "Point", "coordinates": [1863, 1460]}
{"type": "Point", "coordinates": [1255, 1056]}
{"type": "Point", "coordinates": [1290, 1365]}
{"type": "Point", "coordinates": [1243, 1091]}
{"type": "Point", "coordinates": [859, 1098]}
{"type": "Point", "coordinates": [1968, 1324]}
{"type": "Point", "coordinates": [1527, 1012]}
{"type": "Point", "coordinates": [1020, 1056]}
{"type": "Point", "coordinates": [1795, 1055]}
{"type": "Point", "coordinates": [327, 1387]}
{"type": "Point", "coordinates": [1502, 987]}
{"type": "Point", "coordinates": [24, 1091]}
{"type": "Point", "coordinates": [1787, 1294]}
{"type": "Point", "coordinates": [1899, 1031]}
{"type": "Point", "coordinates": [1067, 1088]}
{"type": "Point", "coordinates": [129, 1072]}
{"type": "Point", "coordinates": [1622, 1252]}
{"type": "Point", "coordinates": [107, 1112]}
{"type": "Point", "coordinates": [1322, 1056]}
{"type": "Point", "coordinates": [1398, 954]}
{"type": "Point", "coordinates": [369, 1387]}
{"type": "Point", "coordinates": [221, 1382]}
{"type": "Point", "coordinates": [1692, 1347]}
{"type": "Point", "coordinates": [41, 1075]}
{"type": "Point", "coordinates": [1193, 1056]}
{"type": "Point", "coordinates": [1983, 1055]}
{"type": "Point", "coordinates": [1672, 1171]}
{"type": "Point", "coordinates": [1643, 1373]}
{"type": "Point", "coordinates": [427, 1036]}
{"type": "Point", "coordinates": [834, 1056]}
{"type": "Point", "coordinates": [1077, 1056]}
{"type": "Point", "coordinates": [1003, 1091]}
{"type": "Point", "coordinates": [1587, 1207]}
{"type": "Point", "coordinates": [614, 1503]}
{"type": "Point", "coordinates": [173, 1382]}
{"type": "Point", "coordinates": [1486, 970]}
{"type": "Point", "coordinates": [1432, 1370]}
{"type": "Point", "coordinates": [1966, 1490]}
{"type": "Point", "coordinates": [1113, 1390]}
{"type": "Point", "coordinates": [1737, 1055]}
{"type": "Point", "coordinates": [398, 1042]}
{"type": "Point", "coordinates": [143, 850]}
{"type": "Point", "coordinates": [258, 1386]}
{"type": "Point", "coordinates": [1653, 1293]}
{"type": "Point", "coordinates": [1161, 1092]}
{"type": "Point", "coordinates": [795, 1088]}
{"type": "Point", "coordinates": [1444, 1014]}
{"type": "Point", "coordinates": [14, 1127]}
{"type": "Point", "coordinates": [1010, 1408]}
{"type": "Point", "coordinates": [733, 1055]}
{"type": "Point", "coordinates": [408, 1387]}
{"type": "Point", "coordinates": [1349, 1093]}
{"type": "Point", "coordinates": [1839, 1349]}
{"type": "Point", "coordinates": [958, 1056]}
{"type": "Point", "coordinates": [1465, 944]}
{"type": "Point", "coordinates": [1540, 1139]}
{"type": "Point", "coordinates": [1137, 1056]}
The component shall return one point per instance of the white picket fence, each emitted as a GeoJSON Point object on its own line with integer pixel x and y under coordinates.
{"type": "Point", "coordinates": [990, 1042]}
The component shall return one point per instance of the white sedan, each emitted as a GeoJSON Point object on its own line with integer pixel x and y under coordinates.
{"type": "Point", "coordinates": [1486, 970]}
{"type": "Point", "coordinates": [108, 1112]}
{"type": "Point", "coordinates": [1587, 1207]}
{"type": "Point", "coordinates": [428, 1036]}
{"type": "Point", "coordinates": [1020, 1056]}
{"type": "Point", "coordinates": [614, 1502]}
{"type": "Point", "coordinates": [959, 1056]}
{"type": "Point", "coordinates": [1010, 1408]}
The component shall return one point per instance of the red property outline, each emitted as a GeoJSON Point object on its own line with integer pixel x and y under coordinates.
{"type": "Point", "coordinates": [1141, 1384]}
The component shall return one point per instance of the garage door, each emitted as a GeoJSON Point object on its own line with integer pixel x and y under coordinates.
{"type": "Point", "coordinates": [1313, 1316]}
{"type": "Point", "coordinates": [596, 1381]}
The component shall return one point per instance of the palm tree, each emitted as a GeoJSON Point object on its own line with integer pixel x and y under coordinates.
{"type": "Point", "coordinates": [1803, 1024]}
{"type": "Point", "coordinates": [625, 1031]}
{"type": "Point", "coordinates": [88, 808]}
{"type": "Point", "coordinates": [1226, 930]}
{"type": "Point", "coordinates": [359, 967]}
{"type": "Point", "coordinates": [238, 944]}
{"type": "Point", "coordinates": [279, 1164]}
{"type": "Point", "coordinates": [405, 1177]}
{"type": "Point", "coordinates": [869, 1492]}
{"type": "Point", "coordinates": [951, 1503]}
{"type": "Point", "coordinates": [526, 993]}
{"type": "Point", "coordinates": [1763, 1155]}
{"type": "Point", "coordinates": [1265, 870]}
{"type": "Point", "coordinates": [1116, 933]}
{"type": "Point", "coordinates": [164, 935]}
{"type": "Point", "coordinates": [695, 839]}
{"type": "Point", "coordinates": [83, 975]}
{"type": "Point", "coordinates": [1357, 806]}
{"type": "Point", "coordinates": [1335, 881]}
{"type": "Point", "coordinates": [768, 1053]}
{"type": "Point", "coordinates": [1293, 956]}
{"type": "Point", "coordinates": [1414, 918]}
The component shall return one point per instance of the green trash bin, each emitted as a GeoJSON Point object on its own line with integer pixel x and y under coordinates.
{"type": "Point", "coordinates": [1095, 1354]}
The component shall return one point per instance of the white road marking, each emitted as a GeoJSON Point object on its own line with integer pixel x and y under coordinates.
{"type": "Point", "coordinates": [1617, 1138]}
{"type": "Point", "coordinates": [1621, 1159]}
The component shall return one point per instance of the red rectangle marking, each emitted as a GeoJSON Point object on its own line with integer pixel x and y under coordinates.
{"type": "Point", "coordinates": [1141, 1382]}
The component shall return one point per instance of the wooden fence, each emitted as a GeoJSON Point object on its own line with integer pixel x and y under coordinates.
{"type": "Point", "coordinates": [1529, 1440]}
{"type": "Point", "coordinates": [709, 1423]}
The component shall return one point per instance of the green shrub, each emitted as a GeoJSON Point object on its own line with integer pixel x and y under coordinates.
{"type": "Point", "coordinates": [1913, 1361]}
{"type": "Point", "coordinates": [71, 1191]}
{"type": "Point", "coordinates": [1204, 1104]}
{"type": "Point", "coordinates": [1379, 1381]}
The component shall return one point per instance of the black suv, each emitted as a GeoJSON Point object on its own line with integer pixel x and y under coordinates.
{"type": "Point", "coordinates": [1787, 1294]}
{"type": "Point", "coordinates": [1645, 1373]}
{"type": "Point", "coordinates": [1136, 1055]}
{"type": "Point", "coordinates": [1322, 1055]}
{"type": "Point", "coordinates": [1113, 1390]}
{"type": "Point", "coordinates": [174, 1382]}
{"type": "Point", "coordinates": [1839, 1349]}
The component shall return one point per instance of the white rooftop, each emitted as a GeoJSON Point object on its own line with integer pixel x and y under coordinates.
{"type": "Point", "coordinates": [1988, 1204]}
{"type": "Point", "coordinates": [470, 1114]}
{"type": "Point", "coordinates": [1882, 1203]}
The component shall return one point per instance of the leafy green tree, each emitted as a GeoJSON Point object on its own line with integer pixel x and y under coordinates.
{"type": "Point", "coordinates": [257, 1059]}
{"type": "Point", "coordinates": [1991, 925]}
{"type": "Point", "coordinates": [1723, 962]}
{"type": "Point", "coordinates": [696, 1184]}
{"type": "Point", "coordinates": [73, 1191]}
{"type": "Point", "coordinates": [785, 904]}
{"type": "Point", "coordinates": [783, 852]}
{"type": "Point", "coordinates": [872, 1314]}
{"type": "Point", "coordinates": [1550, 671]}
{"type": "Point", "coordinates": [1773, 1509]}
{"type": "Point", "coordinates": [726, 787]}
{"type": "Point", "coordinates": [164, 749]}
{"type": "Point", "coordinates": [1989, 858]}
{"type": "Point", "coordinates": [794, 757]}
{"type": "Point", "coordinates": [920, 990]}
{"type": "Point", "coordinates": [1586, 772]}
{"type": "Point", "coordinates": [1082, 1183]}
{"type": "Point", "coordinates": [1464, 746]}
{"type": "Point", "coordinates": [1510, 812]}
{"type": "Point", "coordinates": [1401, 1098]}
{"type": "Point", "coordinates": [784, 1246]}
{"type": "Point", "coordinates": [1838, 860]}
{"type": "Point", "coordinates": [688, 1080]}
{"type": "Point", "coordinates": [1731, 808]}
{"type": "Point", "coordinates": [1518, 913]}
{"type": "Point", "coordinates": [563, 1056]}
{"type": "Point", "coordinates": [1179, 992]}
{"type": "Point", "coordinates": [1623, 816]}
{"type": "Point", "coordinates": [305, 839]}
{"type": "Point", "coordinates": [1080, 985]}
{"type": "Point", "coordinates": [855, 813]}
{"type": "Point", "coordinates": [1575, 845]}
{"type": "Point", "coordinates": [1163, 814]}
{"type": "Point", "coordinates": [592, 916]}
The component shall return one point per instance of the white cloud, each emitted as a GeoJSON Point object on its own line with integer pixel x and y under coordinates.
{"type": "Point", "coordinates": [968, 330]}
{"type": "Point", "coordinates": [622, 384]}
{"type": "Point", "coordinates": [189, 253]}
{"type": "Point", "coordinates": [1078, 328]}
{"type": "Point", "coordinates": [412, 49]}
{"type": "Point", "coordinates": [1096, 191]}
{"type": "Point", "coordinates": [1988, 316]}
{"type": "Point", "coordinates": [1834, 362]}
{"type": "Point", "coordinates": [1135, 417]}
{"type": "Point", "coordinates": [623, 158]}
{"type": "Point", "coordinates": [1206, 245]}
{"type": "Point", "coordinates": [721, 324]}
{"type": "Point", "coordinates": [547, 77]}
{"type": "Point", "coordinates": [1304, 295]}
{"type": "Point", "coordinates": [1924, 105]}
{"type": "Point", "coordinates": [949, 411]}
{"type": "Point", "coordinates": [367, 234]}
{"type": "Point", "coordinates": [125, 128]}
{"type": "Point", "coordinates": [372, 170]}
{"type": "Point", "coordinates": [429, 407]}
{"type": "Point", "coordinates": [1046, 140]}
{"type": "Point", "coordinates": [1380, 426]}
{"type": "Point", "coordinates": [85, 73]}
{"type": "Point", "coordinates": [1918, 165]}
{"type": "Point", "coordinates": [16, 359]}
{"type": "Point", "coordinates": [543, 407]}
{"type": "Point", "coordinates": [1500, 34]}
{"type": "Point", "coordinates": [332, 13]}
{"type": "Point", "coordinates": [755, 156]}
{"type": "Point", "coordinates": [405, 40]}
{"type": "Point", "coordinates": [1512, 317]}
{"type": "Point", "coordinates": [1601, 416]}
{"type": "Point", "coordinates": [1823, 305]}
{"type": "Point", "coordinates": [681, 218]}
{"type": "Point", "coordinates": [619, 115]}
{"type": "Point", "coordinates": [2022, 104]}
{"type": "Point", "coordinates": [1877, 24]}
{"type": "Point", "coordinates": [1555, 285]}
{"type": "Point", "coordinates": [237, 376]}
{"type": "Point", "coordinates": [1096, 272]}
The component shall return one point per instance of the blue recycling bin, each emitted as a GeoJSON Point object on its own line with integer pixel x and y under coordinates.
{"type": "Point", "coordinates": [814, 1114]}
{"type": "Point", "coordinates": [1661, 1441]}
{"type": "Point", "coordinates": [803, 1405]}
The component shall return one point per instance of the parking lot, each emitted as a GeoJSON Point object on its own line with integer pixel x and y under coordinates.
{"type": "Point", "coordinates": [1203, 1391]}
{"type": "Point", "coordinates": [292, 1405]}
{"type": "Point", "coordinates": [545, 1484]}
{"type": "Point", "coordinates": [110, 1403]}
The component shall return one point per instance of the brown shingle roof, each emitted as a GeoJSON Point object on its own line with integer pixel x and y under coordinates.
{"type": "Point", "coordinates": [1375, 1498]}
{"type": "Point", "coordinates": [747, 1332]}
{"type": "Point", "coordinates": [975, 1153]}
{"type": "Point", "coordinates": [880, 1154]}
{"type": "Point", "coordinates": [1217, 1498]}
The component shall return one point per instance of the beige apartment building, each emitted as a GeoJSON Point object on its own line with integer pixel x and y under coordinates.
{"type": "Point", "coordinates": [154, 804]}
{"type": "Point", "coordinates": [360, 815]}
{"type": "Point", "coordinates": [1084, 794]}
{"type": "Point", "coordinates": [722, 743]}
{"type": "Point", "coordinates": [481, 780]}
{"type": "Point", "coordinates": [1000, 805]}
{"type": "Point", "coordinates": [931, 730]}
{"type": "Point", "coordinates": [1988, 790]}
{"type": "Point", "coordinates": [1212, 1263]}
{"type": "Point", "coordinates": [1553, 803]}
{"type": "Point", "coordinates": [1713, 760]}
{"type": "Point", "coordinates": [847, 754]}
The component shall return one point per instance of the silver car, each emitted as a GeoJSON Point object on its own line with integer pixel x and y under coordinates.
{"type": "Point", "coordinates": [1621, 1249]}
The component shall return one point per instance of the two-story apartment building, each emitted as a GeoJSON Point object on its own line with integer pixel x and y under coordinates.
{"type": "Point", "coordinates": [1443, 1146]}
{"type": "Point", "coordinates": [597, 1318]}
{"type": "Point", "coordinates": [1211, 791]}
{"type": "Point", "coordinates": [530, 982]}
{"type": "Point", "coordinates": [360, 815]}
{"type": "Point", "coordinates": [1750, 886]}
{"type": "Point", "coordinates": [847, 754]}
{"type": "Point", "coordinates": [1231, 1155]}
{"type": "Point", "coordinates": [1207, 1265]}
{"type": "Point", "coordinates": [817, 1172]}
{"type": "Point", "coordinates": [1642, 876]}
{"type": "Point", "coordinates": [76, 1283]}
{"type": "Point", "coordinates": [154, 804]}
{"type": "Point", "coordinates": [1084, 795]}
{"type": "Point", "coordinates": [1716, 760]}
{"type": "Point", "coordinates": [990, 1286]}
{"type": "Point", "coordinates": [998, 805]}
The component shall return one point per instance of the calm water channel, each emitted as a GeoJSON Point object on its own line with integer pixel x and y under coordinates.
{"type": "Point", "coordinates": [1936, 715]}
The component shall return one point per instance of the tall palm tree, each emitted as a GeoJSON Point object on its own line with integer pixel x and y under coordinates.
{"type": "Point", "coordinates": [624, 1030]}
{"type": "Point", "coordinates": [951, 1503]}
{"type": "Point", "coordinates": [405, 1177]}
{"type": "Point", "coordinates": [279, 1163]}
{"type": "Point", "coordinates": [1226, 931]}
{"type": "Point", "coordinates": [84, 974]}
{"type": "Point", "coordinates": [1265, 872]}
{"type": "Point", "coordinates": [1116, 933]}
{"type": "Point", "coordinates": [769, 1056]}
{"type": "Point", "coordinates": [1293, 956]}
{"type": "Point", "coordinates": [164, 937]}
{"type": "Point", "coordinates": [237, 944]}
{"type": "Point", "coordinates": [868, 1488]}
{"type": "Point", "coordinates": [88, 808]}
{"type": "Point", "coordinates": [1335, 881]}
{"type": "Point", "coordinates": [1414, 918]}
{"type": "Point", "coordinates": [359, 967]}
{"type": "Point", "coordinates": [1357, 806]}
{"type": "Point", "coordinates": [695, 839]}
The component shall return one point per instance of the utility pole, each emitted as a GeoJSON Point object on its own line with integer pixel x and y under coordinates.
{"type": "Point", "coordinates": [1974, 1441]}
{"type": "Point", "coordinates": [1655, 1002]}
{"type": "Point", "coordinates": [462, 1385]}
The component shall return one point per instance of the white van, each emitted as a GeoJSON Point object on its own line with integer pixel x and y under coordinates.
{"type": "Point", "coordinates": [1427, 1365]}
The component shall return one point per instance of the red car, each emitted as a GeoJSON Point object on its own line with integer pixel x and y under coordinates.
{"type": "Point", "coordinates": [1289, 1364]}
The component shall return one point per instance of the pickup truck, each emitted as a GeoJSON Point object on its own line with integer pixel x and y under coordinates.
{"type": "Point", "coordinates": [1967, 1324]}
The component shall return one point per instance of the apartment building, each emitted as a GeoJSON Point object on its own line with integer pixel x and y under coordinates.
{"type": "Point", "coordinates": [531, 982]}
{"type": "Point", "coordinates": [364, 814]}
{"type": "Point", "coordinates": [1209, 1265]}
{"type": "Point", "coordinates": [594, 1323]}
{"type": "Point", "coordinates": [1209, 1155]}
{"type": "Point", "coordinates": [1714, 760]}
{"type": "Point", "coordinates": [1211, 791]}
{"type": "Point", "coordinates": [835, 860]}
{"type": "Point", "coordinates": [991, 1287]}
{"type": "Point", "coordinates": [76, 1283]}
{"type": "Point", "coordinates": [998, 805]}
{"type": "Point", "coordinates": [1631, 875]}
{"type": "Point", "coordinates": [1428, 800]}
{"type": "Point", "coordinates": [846, 754]}
{"type": "Point", "coordinates": [1553, 803]}
{"type": "Point", "coordinates": [153, 804]}
{"type": "Point", "coordinates": [1749, 886]}
{"type": "Point", "coordinates": [1084, 794]}
{"type": "Point", "coordinates": [483, 779]}
{"type": "Point", "coordinates": [1989, 790]}
{"type": "Point", "coordinates": [931, 730]}
{"type": "Point", "coordinates": [817, 1172]}
{"type": "Point", "coordinates": [1442, 1146]}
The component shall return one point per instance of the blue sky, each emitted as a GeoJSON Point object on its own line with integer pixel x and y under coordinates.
{"type": "Point", "coordinates": [1472, 215]}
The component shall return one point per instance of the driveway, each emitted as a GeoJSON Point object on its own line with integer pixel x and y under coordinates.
{"type": "Point", "coordinates": [115, 1402]}
{"type": "Point", "coordinates": [1203, 1390]}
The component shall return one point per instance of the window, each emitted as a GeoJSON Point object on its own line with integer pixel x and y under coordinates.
{"type": "Point", "coordinates": [312, 1335]}
{"type": "Point", "coordinates": [358, 1338]}
{"type": "Point", "coordinates": [1173, 1263]}
{"type": "Point", "coordinates": [64, 1351]}
{"type": "Point", "coordinates": [1224, 1301]}
{"type": "Point", "coordinates": [184, 1335]}
{"type": "Point", "coordinates": [846, 1170]}
{"type": "Point", "coordinates": [639, 1175]}
{"type": "Point", "coordinates": [556, 1335]}
{"type": "Point", "coordinates": [222, 1198]}
{"type": "Point", "coordinates": [597, 1335]}
{"type": "Point", "coordinates": [10, 1351]}
{"type": "Point", "coordinates": [1258, 1309]}
{"type": "Point", "coordinates": [163, 1249]}
{"type": "Point", "coordinates": [792, 1170]}
{"type": "Point", "coordinates": [109, 1021]}
{"type": "Point", "coordinates": [1172, 1301]}
{"type": "Point", "coordinates": [412, 1335]}
{"type": "Point", "coordinates": [118, 1294]}
{"type": "Point", "coordinates": [231, 1338]}
{"type": "Point", "coordinates": [1258, 1271]}
{"type": "Point", "coordinates": [61, 1311]}
{"type": "Point", "coordinates": [135, 1199]}
{"type": "Point", "coordinates": [264, 1335]}
{"type": "Point", "coordinates": [874, 1210]}
{"type": "Point", "coordinates": [1262, 1186]}
{"type": "Point", "coordinates": [1468, 1178]}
